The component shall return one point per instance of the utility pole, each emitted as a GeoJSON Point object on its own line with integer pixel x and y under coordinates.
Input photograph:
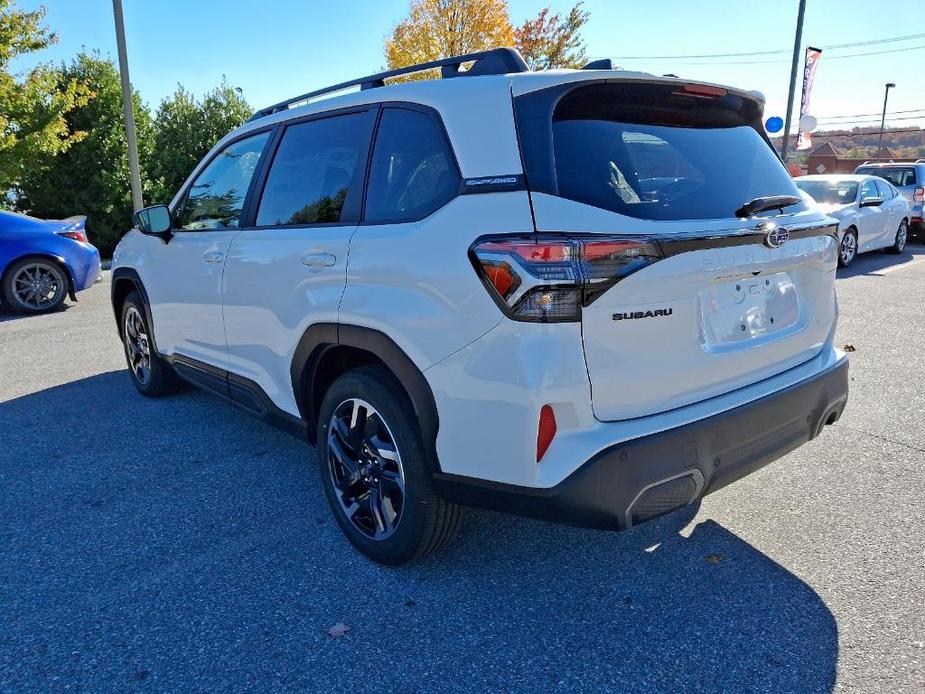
{"type": "Point", "coordinates": [128, 111]}
{"type": "Point", "coordinates": [886, 94]}
{"type": "Point", "coordinates": [793, 79]}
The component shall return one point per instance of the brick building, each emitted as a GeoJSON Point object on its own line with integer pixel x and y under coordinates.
{"type": "Point", "coordinates": [828, 159]}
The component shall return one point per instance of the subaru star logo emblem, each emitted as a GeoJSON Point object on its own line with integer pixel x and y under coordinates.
{"type": "Point", "coordinates": [776, 237]}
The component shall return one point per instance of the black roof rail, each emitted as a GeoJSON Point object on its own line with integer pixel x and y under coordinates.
{"type": "Point", "coordinates": [498, 61]}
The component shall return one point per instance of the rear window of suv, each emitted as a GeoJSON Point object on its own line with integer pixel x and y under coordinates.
{"type": "Point", "coordinates": [654, 152]}
{"type": "Point", "coordinates": [899, 176]}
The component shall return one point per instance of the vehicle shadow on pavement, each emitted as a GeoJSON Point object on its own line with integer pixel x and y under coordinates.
{"type": "Point", "coordinates": [7, 314]}
{"type": "Point", "coordinates": [878, 261]}
{"type": "Point", "coordinates": [176, 544]}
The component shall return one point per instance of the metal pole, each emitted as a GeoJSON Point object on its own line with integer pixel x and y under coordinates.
{"type": "Point", "coordinates": [127, 109]}
{"type": "Point", "coordinates": [886, 95]}
{"type": "Point", "coordinates": [793, 79]}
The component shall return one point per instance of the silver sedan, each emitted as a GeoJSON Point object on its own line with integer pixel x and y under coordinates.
{"type": "Point", "coordinates": [871, 213]}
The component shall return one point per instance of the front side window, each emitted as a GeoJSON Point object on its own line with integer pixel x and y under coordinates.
{"type": "Point", "coordinates": [869, 190]}
{"type": "Point", "coordinates": [313, 169]}
{"type": "Point", "coordinates": [216, 198]}
{"type": "Point", "coordinates": [413, 172]}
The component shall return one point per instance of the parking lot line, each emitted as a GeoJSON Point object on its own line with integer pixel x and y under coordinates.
{"type": "Point", "coordinates": [894, 268]}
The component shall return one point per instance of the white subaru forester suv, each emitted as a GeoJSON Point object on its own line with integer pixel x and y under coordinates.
{"type": "Point", "coordinates": [590, 296]}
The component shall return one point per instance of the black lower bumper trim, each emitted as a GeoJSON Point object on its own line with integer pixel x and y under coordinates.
{"type": "Point", "coordinates": [646, 477]}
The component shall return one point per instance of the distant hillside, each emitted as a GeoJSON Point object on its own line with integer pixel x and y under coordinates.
{"type": "Point", "coordinates": [907, 142]}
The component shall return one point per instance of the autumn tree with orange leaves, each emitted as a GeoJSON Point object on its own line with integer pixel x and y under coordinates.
{"type": "Point", "coordinates": [437, 29]}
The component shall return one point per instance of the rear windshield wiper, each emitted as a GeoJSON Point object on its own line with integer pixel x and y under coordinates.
{"type": "Point", "coordinates": [768, 202]}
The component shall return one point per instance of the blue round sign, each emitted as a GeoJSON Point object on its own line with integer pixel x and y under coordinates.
{"type": "Point", "coordinates": [774, 124]}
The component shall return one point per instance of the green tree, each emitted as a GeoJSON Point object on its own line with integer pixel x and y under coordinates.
{"type": "Point", "coordinates": [33, 106]}
{"type": "Point", "coordinates": [185, 129]}
{"type": "Point", "coordinates": [92, 176]}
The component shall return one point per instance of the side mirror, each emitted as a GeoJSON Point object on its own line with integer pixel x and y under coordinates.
{"type": "Point", "coordinates": [153, 221]}
{"type": "Point", "coordinates": [871, 202]}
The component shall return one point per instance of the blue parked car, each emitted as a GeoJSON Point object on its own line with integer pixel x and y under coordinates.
{"type": "Point", "coordinates": [43, 261]}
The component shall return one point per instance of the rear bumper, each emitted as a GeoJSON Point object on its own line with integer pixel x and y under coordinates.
{"type": "Point", "coordinates": [646, 477]}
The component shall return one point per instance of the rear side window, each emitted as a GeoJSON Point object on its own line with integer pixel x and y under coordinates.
{"type": "Point", "coordinates": [313, 170]}
{"type": "Point", "coordinates": [656, 152]}
{"type": "Point", "coordinates": [886, 191]}
{"type": "Point", "coordinates": [413, 172]}
{"type": "Point", "coordinates": [899, 176]}
{"type": "Point", "coordinates": [216, 198]}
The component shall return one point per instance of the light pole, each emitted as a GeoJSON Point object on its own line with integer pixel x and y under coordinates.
{"type": "Point", "coordinates": [127, 110]}
{"type": "Point", "coordinates": [793, 79]}
{"type": "Point", "coordinates": [886, 94]}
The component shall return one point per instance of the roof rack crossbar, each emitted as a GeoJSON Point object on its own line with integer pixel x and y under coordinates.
{"type": "Point", "coordinates": [498, 61]}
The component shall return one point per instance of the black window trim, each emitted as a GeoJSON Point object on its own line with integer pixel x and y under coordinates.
{"type": "Point", "coordinates": [277, 131]}
{"type": "Point", "coordinates": [356, 193]}
{"type": "Point", "coordinates": [434, 115]}
{"type": "Point", "coordinates": [181, 204]}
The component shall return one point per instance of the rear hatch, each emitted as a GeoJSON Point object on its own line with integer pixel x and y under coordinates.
{"type": "Point", "coordinates": [902, 176]}
{"type": "Point", "coordinates": [719, 298]}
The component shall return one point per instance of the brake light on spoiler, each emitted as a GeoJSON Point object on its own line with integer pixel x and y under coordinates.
{"type": "Point", "coordinates": [550, 277]}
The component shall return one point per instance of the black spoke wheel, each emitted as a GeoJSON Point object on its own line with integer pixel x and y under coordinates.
{"type": "Point", "coordinates": [375, 472]}
{"type": "Point", "coordinates": [35, 285]}
{"type": "Point", "coordinates": [151, 375]}
{"type": "Point", "coordinates": [899, 242]}
{"type": "Point", "coordinates": [365, 468]}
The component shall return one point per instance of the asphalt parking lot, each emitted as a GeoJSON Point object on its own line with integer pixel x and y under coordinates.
{"type": "Point", "coordinates": [177, 544]}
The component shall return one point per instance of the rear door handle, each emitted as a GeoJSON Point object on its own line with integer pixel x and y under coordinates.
{"type": "Point", "coordinates": [213, 257]}
{"type": "Point", "coordinates": [318, 260]}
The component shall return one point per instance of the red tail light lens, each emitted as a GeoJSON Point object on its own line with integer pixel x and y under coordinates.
{"type": "Point", "coordinates": [918, 195]}
{"type": "Point", "coordinates": [550, 277]}
{"type": "Point", "coordinates": [546, 431]}
{"type": "Point", "coordinates": [76, 235]}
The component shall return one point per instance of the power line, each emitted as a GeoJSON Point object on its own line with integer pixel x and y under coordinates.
{"type": "Point", "coordinates": [892, 39]}
{"type": "Point", "coordinates": [783, 60]}
{"type": "Point", "coordinates": [864, 115]}
{"type": "Point", "coordinates": [870, 120]}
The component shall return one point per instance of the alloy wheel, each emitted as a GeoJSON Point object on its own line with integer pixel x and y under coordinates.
{"type": "Point", "coordinates": [849, 248]}
{"type": "Point", "coordinates": [365, 468]}
{"type": "Point", "coordinates": [137, 346]}
{"type": "Point", "coordinates": [38, 286]}
{"type": "Point", "coordinates": [901, 235]}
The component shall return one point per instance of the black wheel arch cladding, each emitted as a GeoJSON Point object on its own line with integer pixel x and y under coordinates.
{"type": "Point", "coordinates": [320, 338]}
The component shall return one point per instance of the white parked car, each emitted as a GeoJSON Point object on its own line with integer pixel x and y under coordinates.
{"type": "Point", "coordinates": [590, 296]}
{"type": "Point", "coordinates": [871, 213]}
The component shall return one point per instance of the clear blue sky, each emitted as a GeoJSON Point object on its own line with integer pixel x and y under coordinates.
{"type": "Point", "coordinates": [273, 49]}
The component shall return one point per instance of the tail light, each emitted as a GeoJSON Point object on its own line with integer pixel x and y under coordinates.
{"type": "Point", "coordinates": [918, 195]}
{"type": "Point", "coordinates": [76, 235]}
{"type": "Point", "coordinates": [550, 277]}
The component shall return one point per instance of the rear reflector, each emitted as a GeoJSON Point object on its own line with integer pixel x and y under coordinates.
{"type": "Point", "coordinates": [545, 432]}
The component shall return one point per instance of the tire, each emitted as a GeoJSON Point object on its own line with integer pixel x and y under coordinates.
{"type": "Point", "coordinates": [152, 375]}
{"type": "Point", "coordinates": [375, 473]}
{"type": "Point", "coordinates": [35, 285]}
{"type": "Point", "coordinates": [848, 247]}
{"type": "Point", "coordinates": [899, 243]}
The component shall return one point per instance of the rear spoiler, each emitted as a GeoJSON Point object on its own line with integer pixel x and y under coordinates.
{"type": "Point", "coordinates": [74, 223]}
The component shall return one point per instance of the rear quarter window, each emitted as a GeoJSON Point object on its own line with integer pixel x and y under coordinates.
{"type": "Point", "coordinates": [413, 172]}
